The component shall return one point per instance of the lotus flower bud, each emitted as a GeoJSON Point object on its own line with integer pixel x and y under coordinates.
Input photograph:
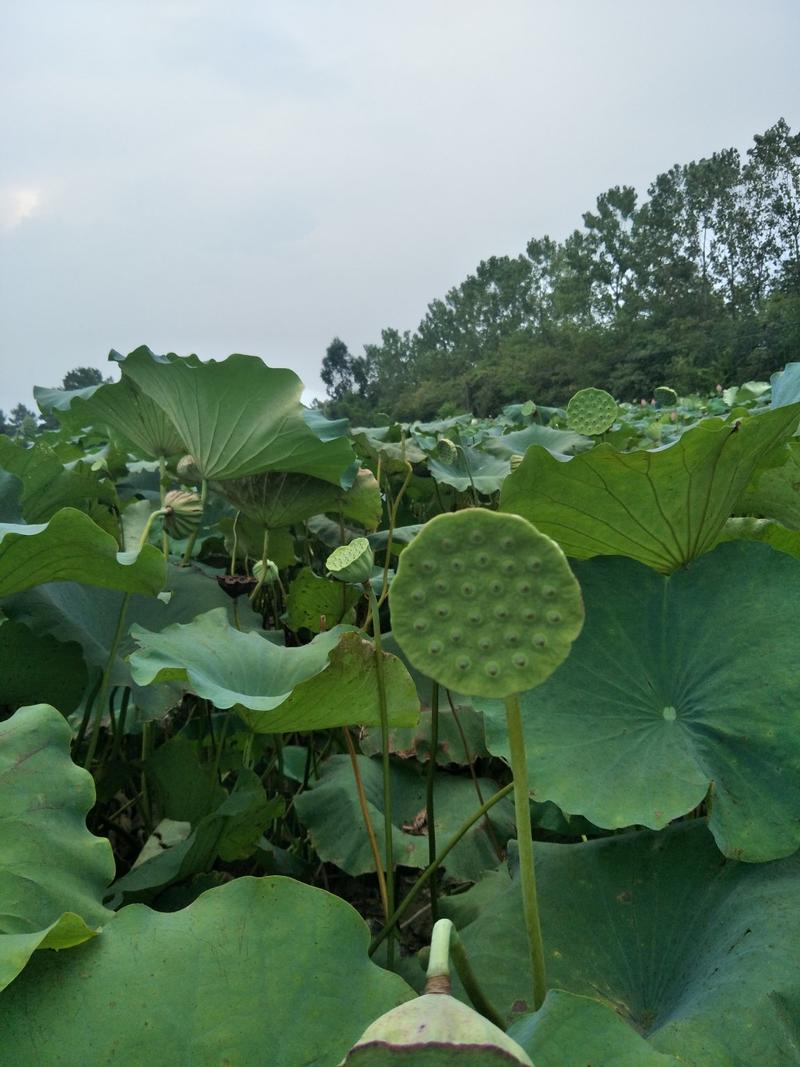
{"type": "Point", "coordinates": [188, 471]}
{"type": "Point", "coordinates": [353, 562]}
{"type": "Point", "coordinates": [183, 513]}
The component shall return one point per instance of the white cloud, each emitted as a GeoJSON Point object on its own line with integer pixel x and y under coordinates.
{"type": "Point", "coordinates": [18, 204]}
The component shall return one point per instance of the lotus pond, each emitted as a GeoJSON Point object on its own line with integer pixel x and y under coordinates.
{"type": "Point", "coordinates": [280, 696]}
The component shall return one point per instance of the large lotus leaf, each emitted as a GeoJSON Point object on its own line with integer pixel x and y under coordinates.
{"type": "Point", "coordinates": [275, 499]}
{"type": "Point", "coordinates": [330, 811]}
{"type": "Point", "coordinates": [765, 530]}
{"type": "Point", "coordinates": [460, 737]}
{"type": "Point", "coordinates": [181, 785]}
{"type": "Point", "coordinates": [38, 669]}
{"type": "Point", "coordinates": [786, 385]}
{"type": "Point", "coordinates": [70, 547]}
{"type": "Point", "coordinates": [394, 455]}
{"type": "Point", "coordinates": [315, 603]}
{"type": "Point", "coordinates": [775, 493]}
{"type": "Point", "coordinates": [471, 468]}
{"type": "Point", "coordinates": [273, 688]}
{"type": "Point", "coordinates": [48, 485]}
{"type": "Point", "coordinates": [559, 442]}
{"type": "Point", "coordinates": [10, 496]}
{"type": "Point", "coordinates": [345, 694]}
{"type": "Point", "coordinates": [573, 1031]}
{"type": "Point", "coordinates": [231, 832]}
{"type": "Point", "coordinates": [239, 416]}
{"type": "Point", "coordinates": [249, 541]}
{"type": "Point", "coordinates": [121, 407]}
{"type": "Point", "coordinates": [262, 970]}
{"type": "Point", "coordinates": [53, 872]}
{"type": "Point", "coordinates": [697, 953]}
{"type": "Point", "coordinates": [362, 503]}
{"type": "Point", "coordinates": [677, 683]}
{"type": "Point", "coordinates": [89, 616]}
{"type": "Point", "coordinates": [662, 507]}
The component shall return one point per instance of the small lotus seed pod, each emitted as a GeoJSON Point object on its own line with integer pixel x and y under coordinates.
{"type": "Point", "coordinates": [434, 1029]}
{"type": "Point", "coordinates": [271, 574]}
{"type": "Point", "coordinates": [188, 471]}
{"type": "Point", "coordinates": [352, 563]}
{"type": "Point", "coordinates": [447, 451]}
{"type": "Point", "coordinates": [516, 460]}
{"type": "Point", "coordinates": [183, 513]}
{"type": "Point", "coordinates": [665, 397]}
{"type": "Point", "coordinates": [591, 411]}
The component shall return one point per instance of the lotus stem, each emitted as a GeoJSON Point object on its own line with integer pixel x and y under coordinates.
{"type": "Point", "coordinates": [429, 799]}
{"type": "Point", "coordinates": [426, 875]}
{"type": "Point", "coordinates": [148, 526]}
{"type": "Point", "coordinates": [102, 692]}
{"type": "Point", "coordinates": [187, 555]}
{"type": "Point", "coordinates": [530, 904]}
{"type": "Point", "coordinates": [162, 486]}
{"type": "Point", "coordinates": [373, 841]}
{"type": "Point", "coordinates": [387, 785]}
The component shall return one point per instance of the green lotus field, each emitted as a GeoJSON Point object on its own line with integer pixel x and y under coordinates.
{"type": "Point", "coordinates": [292, 711]}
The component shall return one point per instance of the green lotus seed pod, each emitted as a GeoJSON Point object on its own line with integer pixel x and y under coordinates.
{"type": "Point", "coordinates": [591, 411]}
{"type": "Point", "coordinates": [188, 471]}
{"type": "Point", "coordinates": [271, 575]}
{"type": "Point", "coordinates": [665, 397]}
{"type": "Point", "coordinates": [446, 450]}
{"type": "Point", "coordinates": [515, 460]}
{"type": "Point", "coordinates": [183, 513]}
{"type": "Point", "coordinates": [438, 1030]}
{"type": "Point", "coordinates": [484, 603]}
{"type": "Point", "coordinates": [352, 563]}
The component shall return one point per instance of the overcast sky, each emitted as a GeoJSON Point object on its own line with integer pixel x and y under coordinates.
{"type": "Point", "coordinates": [253, 176]}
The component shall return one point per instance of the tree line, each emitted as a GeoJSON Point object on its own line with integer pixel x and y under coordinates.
{"type": "Point", "coordinates": [23, 423]}
{"type": "Point", "coordinates": [696, 284]}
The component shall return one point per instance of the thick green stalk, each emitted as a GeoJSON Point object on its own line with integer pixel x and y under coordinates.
{"type": "Point", "coordinates": [429, 800]}
{"type": "Point", "coordinates": [472, 987]}
{"type": "Point", "coordinates": [392, 523]}
{"type": "Point", "coordinates": [430, 870]}
{"type": "Point", "coordinates": [530, 904]}
{"type": "Point", "coordinates": [148, 526]}
{"type": "Point", "coordinates": [102, 692]}
{"type": "Point", "coordinates": [187, 555]}
{"type": "Point", "coordinates": [162, 485]}
{"type": "Point", "coordinates": [373, 841]}
{"type": "Point", "coordinates": [439, 955]}
{"type": "Point", "coordinates": [387, 784]}
{"type": "Point", "coordinates": [445, 943]}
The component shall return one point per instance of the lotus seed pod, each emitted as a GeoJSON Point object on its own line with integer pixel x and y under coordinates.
{"type": "Point", "coordinates": [665, 397]}
{"type": "Point", "coordinates": [591, 411]}
{"type": "Point", "coordinates": [484, 603]}
{"type": "Point", "coordinates": [438, 1030]}
{"type": "Point", "coordinates": [183, 513]}
{"type": "Point", "coordinates": [516, 460]}
{"type": "Point", "coordinates": [270, 576]}
{"type": "Point", "coordinates": [188, 471]}
{"type": "Point", "coordinates": [446, 450]}
{"type": "Point", "coordinates": [352, 563]}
